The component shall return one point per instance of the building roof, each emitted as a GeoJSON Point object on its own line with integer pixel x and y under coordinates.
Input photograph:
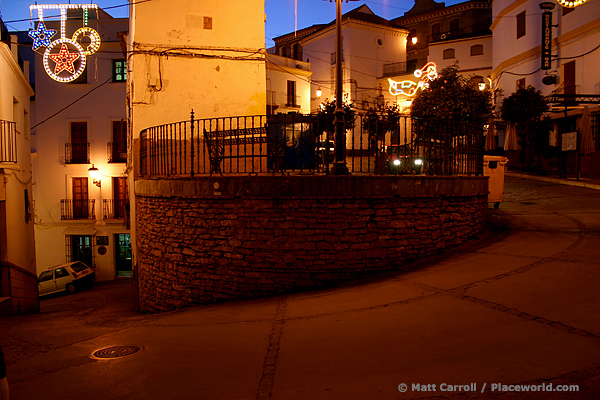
{"type": "Point", "coordinates": [362, 13]}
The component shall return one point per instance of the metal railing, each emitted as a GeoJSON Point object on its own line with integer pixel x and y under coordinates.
{"type": "Point", "coordinates": [393, 69]}
{"type": "Point", "coordinates": [77, 153]}
{"type": "Point", "coordinates": [72, 209]}
{"type": "Point", "coordinates": [117, 152]}
{"type": "Point", "coordinates": [114, 208]}
{"type": "Point", "coordinates": [288, 143]}
{"type": "Point", "coordinates": [8, 142]}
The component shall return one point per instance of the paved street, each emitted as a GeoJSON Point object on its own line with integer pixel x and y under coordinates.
{"type": "Point", "coordinates": [518, 306]}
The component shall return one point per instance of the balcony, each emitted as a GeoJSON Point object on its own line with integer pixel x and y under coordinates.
{"type": "Point", "coordinates": [77, 153]}
{"type": "Point", "coordinates": [293, 101]}
{"type": "Point", "coordinates": [8, 142]}
{"type": "Point", "coordinates": [394, 69]}
{"type": "Point", "coordinates": [71, 209]}
{"type": "Point", "coordinates": [114, 208]}
{"type": "Point", "coordinates": [117, 152]}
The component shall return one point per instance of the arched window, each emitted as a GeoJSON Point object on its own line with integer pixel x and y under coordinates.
{"type": "Point", "coordinates": [449, 53]}
{"type": "Point", "coordinates": [477, 50]}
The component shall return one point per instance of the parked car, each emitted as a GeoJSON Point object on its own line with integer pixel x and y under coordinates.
{"type": "Point", "coordinates": [400, 160]}
{"type": "Point", "coordinates": [68, 277]}
{"type": "Point", "coordinates": [325, 151]}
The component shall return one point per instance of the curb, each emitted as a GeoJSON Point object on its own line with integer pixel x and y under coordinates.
{"type": "Point", "coordinates": [559, 181]}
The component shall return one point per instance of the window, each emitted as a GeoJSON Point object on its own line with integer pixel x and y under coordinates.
{"type": "Point", "coordinates": [80, 249]}
{"type": "Point", "coordinates": [569, 77]}
{"type": "Point", "coordinates": [80, 198]}
{"type": "Point", "coordinates": [77, 149]}
{"type": "Point", "coordinates": [120, 196]}
{"type": "Point", "coordinates": [61, 273]}
{"type": "Point", "coordinates": [521, 24]}
{"type": "Point", "coordinates": [46, 276]}
{"type": "Point", "coordinates": [118, 147]}
{"type": "Point", "coordinates": [435, 30]}
{"type": "Point", "coordinates": [291, 94]}
{"type": "Point", "coordinates": [521, 83]}
{"type": "Point", "coordinates": [411, 66]}
{"type": "Point", "coordinates": [455, 27]}
{"type": "Point", "coordinates": [448, 53]}
{"type": "Point", "coordinates": [477, 50]}
{"type": "Point", "coordinates": [119, 70]}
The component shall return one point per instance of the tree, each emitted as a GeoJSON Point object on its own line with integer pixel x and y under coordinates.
{"type": "Point", "coordinates": [524, 108]}
{"type": "Point", "coordinates": [453, 97]}
{"type": "Point", "coordinates": [378, 121]}
{"type": "Point", "coordinates": [326, 117]}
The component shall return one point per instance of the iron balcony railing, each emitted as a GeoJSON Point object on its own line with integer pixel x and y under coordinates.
{"type": "Point", "coordinates": [8, 142]}
{"type": "Point", "coordinates": [117, 152]}
{"type": "Point", "coordinates": [286, 143]}
{"type": "Point", "coordinates": [73, 209]}
{"type": "Point", "coordinates": [394, 69]}
{"type": "Point", "coordinates": [114, 208]}
{"type": "Point", "coordinates": [77, 153]}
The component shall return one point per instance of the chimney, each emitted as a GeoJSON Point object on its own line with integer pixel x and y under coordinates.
{"type": "Point", "coordinates": [14, 47]}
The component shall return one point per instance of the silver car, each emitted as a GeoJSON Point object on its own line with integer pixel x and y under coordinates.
{"type": "Point", "coordinates": [68, 277]}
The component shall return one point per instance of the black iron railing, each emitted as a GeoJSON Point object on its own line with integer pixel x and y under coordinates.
{"type": "Point", "coordinates": [77, 153]}
{"type": "Point", "coordinates": [117, 152]}
{"type": "Point", "coordinates": [114, 208]}
{"type": "Point", "coordinates": [71, 209]}
{"type": "Point", "coordinates": [285, 143]}
{"type": "Point", "coordinates": [8, 142]}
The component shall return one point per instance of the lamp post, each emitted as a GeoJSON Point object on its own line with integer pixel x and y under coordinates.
{"type": "Point", "coordinates": [339, 166]}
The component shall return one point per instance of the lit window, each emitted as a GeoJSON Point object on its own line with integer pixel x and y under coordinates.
{"type": "Point", "coordinates": [119, 70]}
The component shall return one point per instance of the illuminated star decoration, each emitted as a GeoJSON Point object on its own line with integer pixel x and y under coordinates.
{"type": "Point", "coordinates": [64, 60]}
{"type": "Point", "coordinates": [41, 36]}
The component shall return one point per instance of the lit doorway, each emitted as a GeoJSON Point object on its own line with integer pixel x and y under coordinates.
{"type": "Point", "coordinates": [123, 254]}
{"type": "Point", "coordinates": [81, 249]}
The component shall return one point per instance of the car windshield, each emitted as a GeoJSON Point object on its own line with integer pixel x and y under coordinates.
{"type": "Point", "coordinates": [79, 267]}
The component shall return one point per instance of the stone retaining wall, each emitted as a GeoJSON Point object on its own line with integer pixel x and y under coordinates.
{"type": "Point", "coordinates": [213, 239]}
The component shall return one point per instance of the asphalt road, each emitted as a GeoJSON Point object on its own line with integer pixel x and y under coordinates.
{"type": "Point", "coordinates": [519, 306]}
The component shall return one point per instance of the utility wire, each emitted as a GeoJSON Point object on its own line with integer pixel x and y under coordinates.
{"type": "Point", "coordinates": [64, 108]}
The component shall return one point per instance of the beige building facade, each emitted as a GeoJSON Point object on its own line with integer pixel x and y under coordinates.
{"type": "Point", "coordinates": [18, 279]}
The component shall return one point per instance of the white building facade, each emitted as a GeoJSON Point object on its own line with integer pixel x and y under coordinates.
{"type": "Point", "coordinates": [572, 68]}
{"type": "Point", "coordinates": [18, 279]}
{"type": "Point", "coordinates": [78, 126]}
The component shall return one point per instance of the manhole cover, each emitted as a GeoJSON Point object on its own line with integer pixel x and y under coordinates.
{"type": "Point", "coordinates": [113, 352]}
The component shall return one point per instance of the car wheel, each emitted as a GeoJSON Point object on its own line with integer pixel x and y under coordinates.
{"type": "Point", "coordinates": [70, 288]}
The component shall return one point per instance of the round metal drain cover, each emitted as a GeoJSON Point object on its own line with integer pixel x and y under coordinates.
{"type": "Point", "coordinates": [113, 352]}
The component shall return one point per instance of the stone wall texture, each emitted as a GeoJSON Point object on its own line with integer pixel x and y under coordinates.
{"type": "Point", "coordinates": [214, 241]}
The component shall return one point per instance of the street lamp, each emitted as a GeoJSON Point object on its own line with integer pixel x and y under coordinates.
{"type": "Point", "coordinates": [94, 174]}
{"type": "Point", "coordinates": [339, 166]}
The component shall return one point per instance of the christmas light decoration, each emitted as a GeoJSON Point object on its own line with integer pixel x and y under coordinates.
{"type": "Point", "coordinates": [571, 4]}
{"type": "Point", "coordinates": [70, 60]}
{"type": "Point", "coordinates": [409, 88]}
{"type": "Point", "coordinates": [94, 39]}
{"type": "Point", "coordinates": [64, 61]}
{"type": "Point", "coordinates": [41, 36]}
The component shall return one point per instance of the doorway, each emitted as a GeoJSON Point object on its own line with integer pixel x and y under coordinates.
{"type": "Point", "coordinates": [122, 254]}
{"type": "Point", "coordinates": [81, 249]}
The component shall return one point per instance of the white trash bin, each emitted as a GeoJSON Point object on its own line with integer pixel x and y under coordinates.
{"type": "Point", "coordinates": [494, 166]}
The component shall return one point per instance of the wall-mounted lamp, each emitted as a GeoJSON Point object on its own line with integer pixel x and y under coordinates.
{"type": "Point", "coordinates": [319, 92]}
{"type": "Point", "coordinates": [482, 86]}
{"type": "Point", "coordinates": [94, 174]}
{"type": "Point", "coordinates": [414, 40]}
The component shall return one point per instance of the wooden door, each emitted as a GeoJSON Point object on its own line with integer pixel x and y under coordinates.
{"type": "Point", "coordinates": [80, 198]}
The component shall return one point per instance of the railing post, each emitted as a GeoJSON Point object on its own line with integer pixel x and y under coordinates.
{"type": "Point", "coordinates": [192, 143]}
